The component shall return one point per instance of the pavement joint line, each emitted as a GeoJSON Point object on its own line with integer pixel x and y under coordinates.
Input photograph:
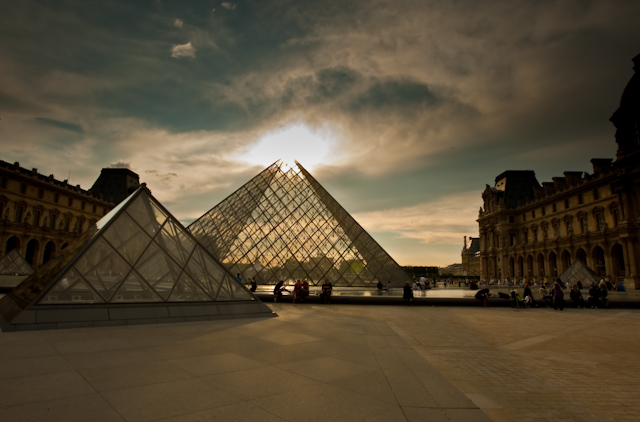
{"type": "Point", "coordinates": [521, 344]}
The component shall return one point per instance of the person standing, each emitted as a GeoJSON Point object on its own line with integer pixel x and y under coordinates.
{"type": "Point", "coordinates": [558, 295]}
{"type": "Point", "coordinates": [423, 283]}
{"type": "Point", "coordinates": [408, 293]}
{"type": "Point", "coordinates": [254, 285]}
{"type": "Point", "coordinates": [297, 291]}
{"type": "Point", "coordinates": [327, 288]}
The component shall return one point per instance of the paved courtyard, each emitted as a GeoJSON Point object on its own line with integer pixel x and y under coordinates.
{"type": "Point", "coordinates": [333, 363]}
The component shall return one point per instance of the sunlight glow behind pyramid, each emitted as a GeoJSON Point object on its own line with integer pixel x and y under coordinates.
{"type": "Point", "coordinates": [283, 225]}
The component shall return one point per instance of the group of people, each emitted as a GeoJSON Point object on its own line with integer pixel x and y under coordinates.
{"type": "Point", "coordinates": [301, 291]}
{"type": "Point", "coordinates": [554, 295]}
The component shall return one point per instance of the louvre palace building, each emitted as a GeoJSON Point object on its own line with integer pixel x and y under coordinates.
{"type": "Point", "coordinates": [40, 215]}
{"type": "Point", "coordinates": [534, 232]}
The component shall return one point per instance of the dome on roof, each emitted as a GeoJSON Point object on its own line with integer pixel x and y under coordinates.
{"type": "Point", "coordinates": [626, 118]}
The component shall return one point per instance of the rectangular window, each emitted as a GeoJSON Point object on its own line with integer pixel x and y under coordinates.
{"type": "Point", "coordinates": [94, 208]}
{"type": "Point", "coordinates": [566, 204]}
{"type": "Point", "coordinates": [511, 219]}
{"type": "Point", "coordinates": [23, 188]}
{"type": "Point", "coordinates": [553, 207]}
{"type": "Point", "coordinates": [36, 217]}
{"type": "Point", "coordinates": [616, 216]}
{"type": "Point", "coordinates": [512, 239]}
{"type": "Point", "coordinates": [533, 214]}
{"type": "Point", "coordinates": [52, 221]}
{"type": "Point", "coordinates": [19, 212]}
{"type": "Point", "coordinates": [600, 221]}
{"type": "Point", "coordinates": [82, 205]}
{"type": "Point", "coordinates": [543, 211]}
{"type": "Point", "coordinates": [70, 202]}
{"type": "Point", "coordinates": [595, 195]}
{"type": "Point", "coordinates": [526, 236]}
{"type": "Point", "coordinates": [583, 224]}
{"type": "Point", "coordinates": [65, 224]}
{"type": "Point", "coordinates": [580, 199]}
{"type": "Point", "coordinates": [524, 217]}
{"type": "Point", "coordinates": [56, 198]}
{"type": "Point", "coordinates": [40, 193]}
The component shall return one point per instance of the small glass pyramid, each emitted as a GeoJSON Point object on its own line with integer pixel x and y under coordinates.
{"type": "Point", "coordinates": [142, 254]}
{"type": "Point", "coordinates": [283, 225]}
{"type": "Point", "coordinates": [579, 271]}
{"type": "Point", "coordinates": [13, 263]}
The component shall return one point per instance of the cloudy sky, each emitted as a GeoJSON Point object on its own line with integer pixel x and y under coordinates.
{"type": "Point", "coordinates": [403, 110]}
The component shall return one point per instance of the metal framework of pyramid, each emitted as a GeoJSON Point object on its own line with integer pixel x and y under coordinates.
{"type": "Point", "coordinates": [140, 264]}
{"type": "Point", "coordinates": [14, 264]}
{"type": "Point", "coordinates": [283, 225]}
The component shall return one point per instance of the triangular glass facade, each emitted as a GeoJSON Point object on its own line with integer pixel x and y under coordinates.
{"type": "Point", "coordinates": [13, 263]}
{"type": "Point", "coordinates": [142, 254]}
{"type": "Point", "coordinates": [283, 225]}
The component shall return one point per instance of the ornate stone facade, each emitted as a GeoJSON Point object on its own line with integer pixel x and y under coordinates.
{"type": "Point", "coordinates": [39, 215]}
{"type": "Point", "coordinates": [533, 231]}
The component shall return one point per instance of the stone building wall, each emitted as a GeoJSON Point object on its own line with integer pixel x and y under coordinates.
{"type": "Point", "coordinates": [534, 232]}
{"type": "Point", "coordinates": [39, 215]}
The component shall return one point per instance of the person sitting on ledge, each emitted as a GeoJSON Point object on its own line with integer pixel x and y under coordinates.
{"type": "Point", "coordinates": [576, 297]}
{"type": "Point", "coordinates": [594, 296]}
{"type": "Point", "coordinates": [277, 291]}
{"type": "Point", "coordinates": [297, 291]}
{"type": "Point", "coordinates": [305, 290]}
{"type": "Point", "coordinates": [483, 295]}
{"type": "Point", "coordinates": [604, 301]}
{"type": "Point", "coordinates": [327, 288]}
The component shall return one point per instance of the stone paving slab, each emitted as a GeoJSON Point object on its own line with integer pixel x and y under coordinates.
{"type": "Point", "coordinates": [335, 362]}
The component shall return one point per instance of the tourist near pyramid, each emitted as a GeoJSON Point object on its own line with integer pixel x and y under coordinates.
{"type": "Point", "coordinates": [283, 225]}
{"type": "Point", "coordinates": [139, 264]}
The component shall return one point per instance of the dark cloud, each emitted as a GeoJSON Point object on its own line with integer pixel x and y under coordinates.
{"type": "Point", "coordinates": [336, 81]}
{"type": "Point", "coordinates": [59, 124]}
{"type": "Point", "coordinates": [395, 94]}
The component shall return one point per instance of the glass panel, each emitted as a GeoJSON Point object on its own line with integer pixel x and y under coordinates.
{"type": "Point", "coordinates": [102, 267]}
{"type": "Point", "coordinates": [232, 290]}
{"type": "Point", "coordinates": [146, 214]}
{"type": "Point", "coordinates": [158, 270]}
{"type": "Point", "coordinates": [127, 238]}
{"type": "Point", "coordinates": [175, 242]}
{"type": "Point", "coordinates": [205, 271]}
{"type": "Point", "coordinates": [187, 290]}
{"type": "Point", "coordinates": [134, 289]}
{"type": "Point", "coordinates": [70, 288]}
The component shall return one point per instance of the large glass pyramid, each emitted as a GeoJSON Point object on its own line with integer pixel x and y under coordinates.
{"type": "Point", "coordinates": [14, 264]}
{"type": "Point", "coordinates": [283, 225]}
{"type": "Point", "coordinates": [142, 254]}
